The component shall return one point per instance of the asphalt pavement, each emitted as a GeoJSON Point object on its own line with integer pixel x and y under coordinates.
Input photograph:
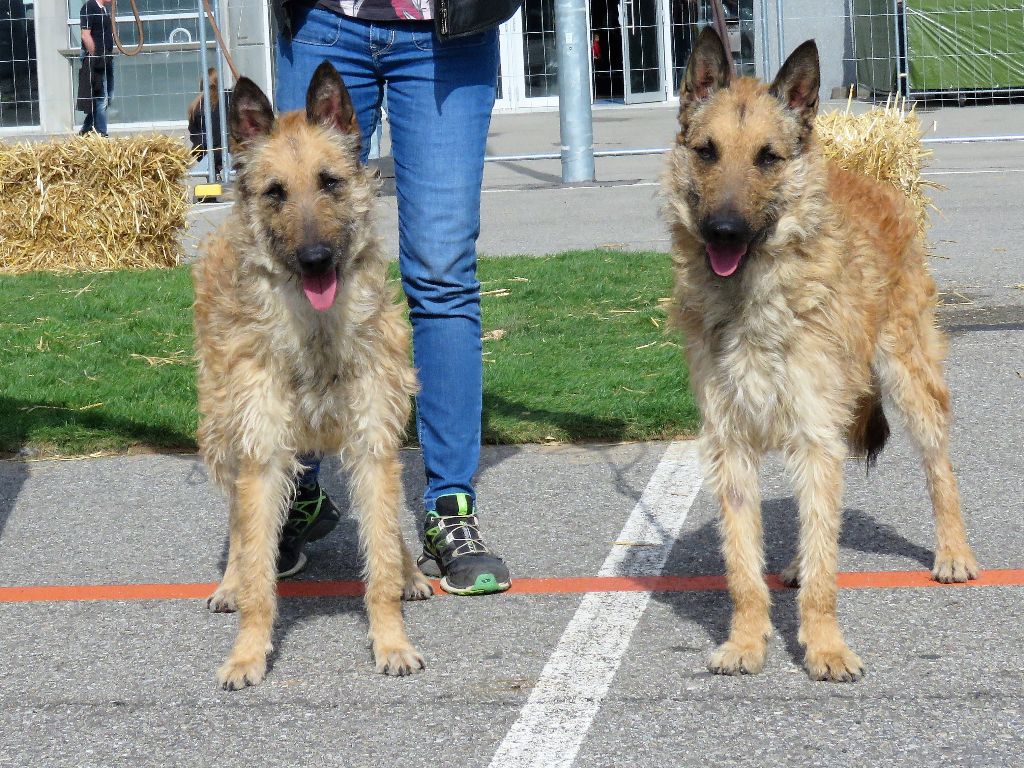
{"type": "Point", "coordinates": [598, 656]}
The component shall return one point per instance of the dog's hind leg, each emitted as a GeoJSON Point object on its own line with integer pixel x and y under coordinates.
{"type": "Point", "coordinates": [260, 497]}
{"type": "Point", "coordinates": [908, 361]}
{"type": "Point", "coordinates": [817, 470]}
{"type": "Point", "coordinates": [733, 474]}
{"type": "Point", "coordinates": [375, 483]}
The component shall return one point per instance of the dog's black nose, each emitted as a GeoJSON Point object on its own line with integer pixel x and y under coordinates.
{"type": "Point", "coordinates": [315, 259]}
{"type": "Point", "coordinates": [725, 228]}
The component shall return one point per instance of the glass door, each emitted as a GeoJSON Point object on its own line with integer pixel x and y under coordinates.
{"type": "Point", "coordinates": [641, 50]}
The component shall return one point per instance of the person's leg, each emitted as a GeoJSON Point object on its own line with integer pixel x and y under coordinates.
{"type": "Point", "coordinates": [440, 97]}
{"type": "Point", "coordinates": [102, 103]}
{"type": "Point", "coordinates": [320, 35]}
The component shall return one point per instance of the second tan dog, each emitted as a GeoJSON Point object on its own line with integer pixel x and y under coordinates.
{"type": "Point", "coordinates": [302, 349]}
{"type": "Point", "coordinates": [803, 295]}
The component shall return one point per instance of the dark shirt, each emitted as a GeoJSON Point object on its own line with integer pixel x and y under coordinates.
{"type": "Point", "coordinates": [96, 19]}
{"type": "Point", "coordinates": [380, 10]}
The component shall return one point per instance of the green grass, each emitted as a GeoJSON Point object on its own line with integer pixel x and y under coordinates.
{"type": "Point", "coordinates": [574, 349]}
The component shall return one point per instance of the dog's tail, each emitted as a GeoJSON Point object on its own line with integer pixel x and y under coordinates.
{"type": "Point", "coordinates": [869, 429]}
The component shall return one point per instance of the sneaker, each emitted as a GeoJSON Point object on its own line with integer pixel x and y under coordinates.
{"type": "Point", "coordinates": [454, 550]}
{"type": "Point", "coordinates": [311, 516]}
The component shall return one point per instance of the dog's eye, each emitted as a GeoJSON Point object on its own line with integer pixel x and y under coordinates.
{"type": "Point", "coordinates": [275, 193]}
{"type": "Point", "coordinates": [330, 183]}
{"type": "Point", "coordinates": [707, 152]}
{"type": "Point", "coordinates": [767, 158]}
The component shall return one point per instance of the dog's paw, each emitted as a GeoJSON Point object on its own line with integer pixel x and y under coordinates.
{"type": "Point", "coordinates": [223, 600]}
{"type": "Point", "coordinates": [237, 673]}
{"type": "Point", "coordinates": [835, 664]}
{"type": "Point", "coordinates": [955, 567]}
{"type": "Point", "coordinates": [417, 587]}
{"type": "Point", "coordinates": [790, 576]}
{"type": "Point", "coordinates": [731, 658]}
{"type": "Point", "coordinates": [398, 662]}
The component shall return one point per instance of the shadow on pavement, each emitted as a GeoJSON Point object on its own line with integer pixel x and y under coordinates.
{"type": "Point", "coordinates": [699, 553]}
{"type": "Point", "coordinates": [22, 420]}
{"type": "Point", "coordinates": [12, 477]}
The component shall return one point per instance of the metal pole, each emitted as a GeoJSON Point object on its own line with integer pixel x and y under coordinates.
{"type": "Point", "coordinates": [222, 109]}
{"type": "Point", "coordinates": [906, 53]}
{"type": "Point", "coordinates": [780, 26]}
{"type": "Point", "coordinates": [572, 35]}
{"type": "Point", "coordinates": [765, 57]}
{"type": "Point", "coordinates": [211, 175]}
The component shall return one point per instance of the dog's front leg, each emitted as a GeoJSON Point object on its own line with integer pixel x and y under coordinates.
{"type": "Point", "coordinates": [375, 482]}
{"type": "Point", "coordinates": [817, 471]}
{"type": "Point", "coordinates": [259, 498]}
{"type": "Point", "coordinates": [225, 597]}
{"type": "Point", "coordinates": [733, 474]}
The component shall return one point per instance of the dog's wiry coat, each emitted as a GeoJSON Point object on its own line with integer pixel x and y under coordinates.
{"type": "Point", "coordinates": [804, 297]}
{"type": "Point", "coordinates": [278, 377]}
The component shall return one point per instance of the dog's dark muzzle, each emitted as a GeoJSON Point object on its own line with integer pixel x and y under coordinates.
{"type": "Point", "coordinates": [315, 260]}
{"type": "Point", "coordinates": [727, 238]}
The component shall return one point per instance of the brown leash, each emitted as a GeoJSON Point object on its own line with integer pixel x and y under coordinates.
{"type": "Point", "coordinates": [137, 20]}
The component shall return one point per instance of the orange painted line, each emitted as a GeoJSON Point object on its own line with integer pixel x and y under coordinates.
{"type": "Point", "coordinates": [538, 586]}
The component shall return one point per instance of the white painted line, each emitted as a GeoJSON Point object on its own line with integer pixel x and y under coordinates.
{"type": "Point", "coordinates": [591, 187]}
{"type": "Point", "coordinates": [976, 172]}
{"type": "Point", "coordinates": [199, 208]}
{"type": "Point", "coordinates": [555, 720]}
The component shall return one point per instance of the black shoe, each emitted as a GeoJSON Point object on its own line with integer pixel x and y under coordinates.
{"type": "Point", "coordinates": [311, 516]}
{"type": "Point", "coordinates": [454, 550]}
{"type": "Point", "coordinates": [290, 557]}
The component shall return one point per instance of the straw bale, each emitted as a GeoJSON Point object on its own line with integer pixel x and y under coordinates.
{"type": "Point", "coordinates": [885, 143]}
{"type": "Point", "coordinates": [90, 204]}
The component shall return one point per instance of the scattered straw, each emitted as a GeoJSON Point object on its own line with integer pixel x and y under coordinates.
{"type": "Point", "coordinates": [89, 204]}
{"type": "Point", "coordinates": [181, 357]}
{"type": "Point", "coordinates": [885, 143]}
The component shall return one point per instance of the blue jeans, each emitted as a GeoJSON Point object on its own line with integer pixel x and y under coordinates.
{"type": "Point", "coordinates": [439, 97]}
{"type": "Point", "coordinates": [97, 119]}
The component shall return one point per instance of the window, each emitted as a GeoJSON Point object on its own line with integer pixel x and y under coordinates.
{"type": "Point", "coordinates": [155, 86]}
{"type": "Point", "coordinates": [19, 88]}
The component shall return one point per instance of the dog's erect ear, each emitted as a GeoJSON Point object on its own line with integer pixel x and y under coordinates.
{"type": "Point", "coordinates": [708, 68]}
{"type": "Point", "coordinates": [250, 115]}
{"type": "Point", "coordinates": [797, 83]}
{"type": "Point", "coordinates": [328, 102]}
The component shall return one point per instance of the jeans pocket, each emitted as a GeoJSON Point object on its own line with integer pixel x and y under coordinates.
{"type": "Point", "coordinates": [316, 26]}
{"type": "Point", "coordinates": [423, 37]}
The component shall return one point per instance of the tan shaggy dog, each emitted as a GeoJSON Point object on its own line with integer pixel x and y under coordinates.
{"type": "Point", "coordinates": [302, 349]}
{"type": "Point", "coordinates": [803, 295]}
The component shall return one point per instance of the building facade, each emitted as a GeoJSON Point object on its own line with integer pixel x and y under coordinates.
{"type": "Point", "coordinates": [638, 51]}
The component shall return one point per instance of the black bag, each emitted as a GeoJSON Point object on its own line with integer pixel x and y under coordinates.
{"type": "Point", "coordinates": [458, 18]}
{"type": "Point", "coordinates": [90, 82]}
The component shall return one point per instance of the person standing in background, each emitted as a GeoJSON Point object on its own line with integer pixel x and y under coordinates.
{"type": "Point", "coordinates": [96, 78]}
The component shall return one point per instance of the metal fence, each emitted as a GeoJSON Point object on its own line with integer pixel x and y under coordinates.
{"type": "Point", "coordinates": [950, 52]}
{"type": "Point", "coordinates": [945, 51]}
{"type": "Point", "coordinates": [41, 56]}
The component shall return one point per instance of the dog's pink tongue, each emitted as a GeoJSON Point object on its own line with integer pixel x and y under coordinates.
{"type": "Point", "coordinates": [725, 258]}
{"type": "Point", "coordinates": [320, 290]}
